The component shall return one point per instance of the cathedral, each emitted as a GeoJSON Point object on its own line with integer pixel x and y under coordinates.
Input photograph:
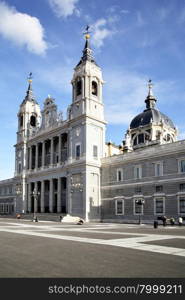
{"type": "Point", "coordinates": [64, 166]}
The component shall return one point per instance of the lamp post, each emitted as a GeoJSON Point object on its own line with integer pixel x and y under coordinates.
{"type": "Point", "coordinates": [35, 194]}
{"type": "Point", "coordinates": [18, 190]}
{"type": "Point", "coordinates": [140, 202]}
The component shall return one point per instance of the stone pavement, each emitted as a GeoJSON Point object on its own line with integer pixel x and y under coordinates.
{"type": "Point", "coordinates": [141, 244]}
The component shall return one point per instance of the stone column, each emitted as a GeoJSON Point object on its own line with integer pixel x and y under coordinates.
{"type": "Point", "coordinates": [36, 197]}
{"type": "Point", "coordinates": [59, 148]}
{"type": "Point", "coordinates": [51, 195]}
{"type": "Point", "coordinates": [83, 87]}
{"type": "Point", "coordinates": [52, 146]}
{"type": "Point", "coordinates": [30, 163]}
{"type": "Point", "coordinates": [68, 194]}
{"type": "Point", "coordinates": [70, 146]}
{"type": "Point", "coordinates": [29, 197]}
{"type": "Point", "coordinates": [36, 155]}
{"type": "Point", "coordinates": [59, 196]}
{"type": "Point", "coordinates": [43, 153]}
{"type": "Point", "coordinates": [25, 206]}
{"type": "Point", "coordinates": [42, 197]}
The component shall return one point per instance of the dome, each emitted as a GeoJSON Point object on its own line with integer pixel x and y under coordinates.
{"type": "Point", "coordinates": [148, 116]}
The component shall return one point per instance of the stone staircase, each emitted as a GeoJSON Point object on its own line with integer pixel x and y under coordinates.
{"type": "Point", "coordinates": [55, 217]}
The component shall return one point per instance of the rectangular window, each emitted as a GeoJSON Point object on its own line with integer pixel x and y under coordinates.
{"type": "Point", "coordinates": [181, 205]}
{"type": "Point", "coordinates": [182, 166]}
{"type": "Point", "coordinates": [1, 208]}
{"type": "Point", "coordinates": [159, 188]}
{"type": "Point", "coordinates": [137, 172]}
{"type": "Point", "coordinates": [119, 175]}
{"type": "Point", "coordinates": [119, 207]}
{"type": "Point", "coordinates": [159, 206]}
{"type": "Point", "coordinates": [138, 189]}
{"type": "Point", "coordinates": [78, 150]}
{"type": "Point", "coordinates": [138, 208]}
{"type": "Point", "coordinates": [182, 187]}
{"type": "Point", "coordinates": [158, 169]}
{"type": "Point", "coordinates": [6, 208]}
{"type": "Point", "coordinates": [95, 151]}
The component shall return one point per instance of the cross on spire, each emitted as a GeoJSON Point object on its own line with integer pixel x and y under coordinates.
{"type": "Point", "coordinates": [30, 77]}
{"type": "Point", "coordinates": [150, 100]}
{"type": "Point", "coordinates": [150, 86]}
{"type": "Point", "coordinates": [87, 32]}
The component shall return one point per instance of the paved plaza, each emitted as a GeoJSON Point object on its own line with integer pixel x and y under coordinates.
{"type": "Point", "coordinates": [51, 249]}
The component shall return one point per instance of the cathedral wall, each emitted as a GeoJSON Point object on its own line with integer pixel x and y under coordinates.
{"type": "Point", "coordinates": [166, 187]}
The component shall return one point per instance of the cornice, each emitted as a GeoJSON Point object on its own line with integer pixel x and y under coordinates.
{"type": "Point", "coordinates": [140, 154]}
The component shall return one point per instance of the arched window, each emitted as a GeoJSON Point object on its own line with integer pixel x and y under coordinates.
{"type": "Point", "coordinates": [141, 138]}
{"type": "Point", "coordinates": [21, 120]}
{"type": "Point", "coordinates": [33, 121]}
{"type": "Point", "coordinates": [94, 88]}
{"type": "Point", "coordinates": [78, 87]}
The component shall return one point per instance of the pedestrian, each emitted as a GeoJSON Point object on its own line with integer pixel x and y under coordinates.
{"type": "Point", "coordinates": [180, 220]}
{"type": "Point", "coordinates": [172, 221]}
{"type": "Point", "coordinates": [164, 220]}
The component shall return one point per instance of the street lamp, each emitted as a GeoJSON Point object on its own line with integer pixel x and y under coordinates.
{"type": "Point", "coordinates": [18, 190]}
{"type": "Point", "coordinates": [35, 195]}
{"type": "Point", "coordinates": [140, 202]}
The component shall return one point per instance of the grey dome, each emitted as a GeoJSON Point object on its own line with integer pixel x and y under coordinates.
{"type": "Point", "coordinates": [148, 116]}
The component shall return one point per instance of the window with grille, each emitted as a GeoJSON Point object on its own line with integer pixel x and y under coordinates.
{"type": "Point", "coordinates": [137, 172]}
{"type": "Point", "coordinates": [119, 207]}
{"type": "Point", "coordinates": [182, 166]}
{"type": "Point", "coordinates": [158, 169]}
{"type": "Point", "coordinates": [182, 187]}
{"type": "Point", "coordinates": [159, 205]}
{"type": "Point", "coordinates": [181, 205]}
{"type": "Point", "coordinates": [159, 188]}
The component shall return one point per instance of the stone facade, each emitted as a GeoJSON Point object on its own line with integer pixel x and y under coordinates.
{"type": "Point", "coordinates": [64, 165]}
{"type": "Point", "coordinates": [7, 197]}
{"type": "Point", "coordinates": [154, 174]}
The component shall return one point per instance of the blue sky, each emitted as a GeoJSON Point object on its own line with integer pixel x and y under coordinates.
{"type": "Point", "coordinates": [132, 40]}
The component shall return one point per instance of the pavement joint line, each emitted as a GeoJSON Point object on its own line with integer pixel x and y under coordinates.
{"type": "Point", "coordinates": [131, 243]}
{"type": "Point", "coordinates": [87, 230]}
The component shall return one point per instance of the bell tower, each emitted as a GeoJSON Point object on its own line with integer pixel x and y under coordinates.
{"type": "Point", "coordinates": [87, 85]}
{"type": "Point", "coordinates": [28, 115]}
{"type": "Point", "coordinates": [28, 122]}
{"type": "Point", "coordinates": [86, 135]}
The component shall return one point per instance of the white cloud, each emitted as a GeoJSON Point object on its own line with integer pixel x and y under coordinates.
{"type": "Point", "coordinates": [22, 29]}
{"type": "Point", "coordinates": [100, 32]}
{"type": "Point", "coordinates": [64, 8]}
